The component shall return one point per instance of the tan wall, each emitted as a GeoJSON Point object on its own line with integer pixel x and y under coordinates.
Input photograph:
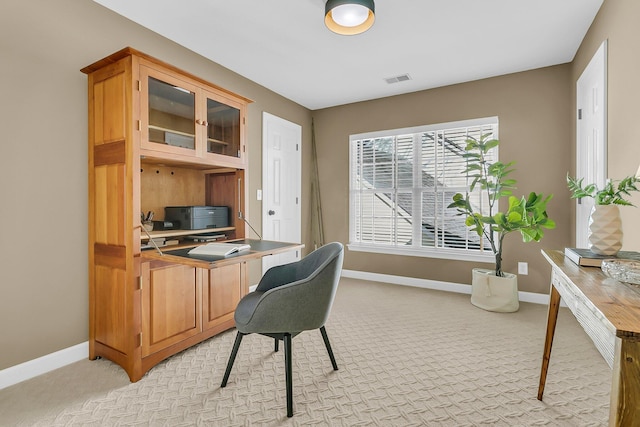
{"type": "Point", "coordinates": [43, 161]}
{"type": "Point", "coordinates": [43, 45]}
{"type": "Point", "coordinates": [534, 109]}
{"type": "Point", "coordinates": [617, 23]}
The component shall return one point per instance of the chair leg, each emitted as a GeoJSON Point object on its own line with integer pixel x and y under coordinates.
{"type": "Point", "coordinates": [288, 374]}
{"type": "Point", "coordinates": [277, 344]}
{"type": "Point", "coordinates": [232, 358]}
{"type": "Point", "coordinates": [326, 343]}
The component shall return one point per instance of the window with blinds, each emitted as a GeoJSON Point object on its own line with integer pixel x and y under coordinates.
{"type": "Point", "coordinates": [401, 182]}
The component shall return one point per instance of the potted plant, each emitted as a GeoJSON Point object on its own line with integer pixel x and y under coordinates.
{"type": "Point", "coordinates": [496, 290]}
{"type": "Point", "coordinates": [605, 225]}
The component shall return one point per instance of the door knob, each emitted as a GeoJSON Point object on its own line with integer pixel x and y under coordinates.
{"type": "Point", "coordinates": [271, 212]}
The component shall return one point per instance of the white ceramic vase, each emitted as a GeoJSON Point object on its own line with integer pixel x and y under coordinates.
{"type": "Point", "coordinates": [494, 293]}
{"type": "Point", "coordinates": [605, 230]}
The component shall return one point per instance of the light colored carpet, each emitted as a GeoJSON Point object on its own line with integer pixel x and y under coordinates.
{"type": "Point", "coordinates": [407, 357]}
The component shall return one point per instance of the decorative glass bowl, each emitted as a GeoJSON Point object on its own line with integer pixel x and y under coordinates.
{"type": "Point", "coordinates": [622, 270]}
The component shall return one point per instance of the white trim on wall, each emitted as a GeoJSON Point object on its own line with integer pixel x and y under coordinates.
{"type": "Point", "coordinates": [50, 362]}
{"type": "Point", "coordinates": [42, 365]}
{"type": "Point", "coordinates": [434, 284]}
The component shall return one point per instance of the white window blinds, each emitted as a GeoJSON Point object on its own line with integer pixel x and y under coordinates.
{"type": "Point", "coordinates": [401, 182]}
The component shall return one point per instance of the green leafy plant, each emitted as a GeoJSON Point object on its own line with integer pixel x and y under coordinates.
{"type": "Point", "coordinates": [610, 194]}
{"type": "Point", "coordinates": [526, 215]}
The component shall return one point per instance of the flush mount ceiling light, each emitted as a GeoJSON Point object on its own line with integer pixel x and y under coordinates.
{"type": "Point", "coordinates": [349, 17]}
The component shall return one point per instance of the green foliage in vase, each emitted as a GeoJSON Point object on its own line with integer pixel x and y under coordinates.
{"type": "Point", "coordinates": [610, 194]}
{"type": "Point", "coordinates": [526, 215]}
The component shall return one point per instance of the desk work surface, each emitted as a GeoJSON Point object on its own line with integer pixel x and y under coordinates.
{"type": "Point", "coordinates": [618, 302]}
{"type": "Point", "coordinates": [259, 249]}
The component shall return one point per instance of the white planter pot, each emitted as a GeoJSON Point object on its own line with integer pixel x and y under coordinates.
{"type": "Point", "coordinates": [494, 293]}
{"type": "Point", "coordinates": [605, 230]}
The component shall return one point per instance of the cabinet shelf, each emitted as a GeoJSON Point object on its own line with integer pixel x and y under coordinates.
{"type": "Point", "coordinates": [177, 132]}
{"type": "Point", "coordinates": [177, 233]}
{"type": "Point", "coordinates": [217, 141]}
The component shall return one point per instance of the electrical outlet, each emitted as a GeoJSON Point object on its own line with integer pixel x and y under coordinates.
{"type": "Point", "coordinates": [523, 268]}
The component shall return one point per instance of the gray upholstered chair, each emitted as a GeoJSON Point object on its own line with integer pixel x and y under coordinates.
{"type": "Point", "coordinates": [289, 299]}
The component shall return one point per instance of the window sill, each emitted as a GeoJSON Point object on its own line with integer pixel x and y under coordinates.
{"type": "Point", "coordinates": [425, 252]}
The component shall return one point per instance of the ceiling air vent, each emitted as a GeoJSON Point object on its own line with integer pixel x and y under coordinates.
{"type": "Point", "coordinates": [396, 79]}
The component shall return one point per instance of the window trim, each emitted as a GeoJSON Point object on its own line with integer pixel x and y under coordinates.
{"type": "Point", "coordinates": [441, 253]}
{"type": "Point", "coordinates": [493, 120]}
{"type": "Point", "coordinates": [427, 252]}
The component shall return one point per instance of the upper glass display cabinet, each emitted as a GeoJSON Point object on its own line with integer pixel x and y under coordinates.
{"type": "Point", "coordinates": [186, 121]}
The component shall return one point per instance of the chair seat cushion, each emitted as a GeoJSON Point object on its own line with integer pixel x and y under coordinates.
{"type": "Point", "coordinates": [246, 307]}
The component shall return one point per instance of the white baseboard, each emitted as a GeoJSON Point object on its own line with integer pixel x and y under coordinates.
{"type": "Point", "coordinates": [434, 284]}
{"type": "Point", "coordinates": [49, 362]}
{"type": "Point", "coordinates": [42, 365]}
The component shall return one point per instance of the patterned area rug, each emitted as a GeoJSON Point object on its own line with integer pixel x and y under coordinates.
{"type": "Point", "coordinates": [407, 357]}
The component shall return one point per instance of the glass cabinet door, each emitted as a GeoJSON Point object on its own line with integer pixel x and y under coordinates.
{"type": "Point", "coordinates": [168, 113]}
{"type": "Point", "coordinates": [223, 129]}
{"type": "Point", "coordinates": [171, 115]}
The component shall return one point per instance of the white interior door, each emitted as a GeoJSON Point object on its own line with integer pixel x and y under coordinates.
{"type": "Point", "coordinates": [281, 177]}
{"type": "Point", "coordinates": [591, 144]}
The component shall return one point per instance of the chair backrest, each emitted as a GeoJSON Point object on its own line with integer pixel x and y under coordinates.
{"type": "Point", "coordinates": [318, 260]}
{"type": "Point", "coordinates": [305, 302]}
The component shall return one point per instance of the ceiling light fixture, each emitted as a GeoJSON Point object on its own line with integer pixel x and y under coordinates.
{"type": "Point", "coordinates": [349, 17]}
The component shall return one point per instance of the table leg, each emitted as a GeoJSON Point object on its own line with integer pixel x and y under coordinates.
{"type": "Point", "coordinates": [554, 305]}
{"type": "Point", "coordinates": [625, 388]}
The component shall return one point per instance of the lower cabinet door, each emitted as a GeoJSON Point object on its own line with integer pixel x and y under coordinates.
{"type": "Point", "coordinates": [222, 292]}
{"type": "Point", "coordinates": [171, 305]}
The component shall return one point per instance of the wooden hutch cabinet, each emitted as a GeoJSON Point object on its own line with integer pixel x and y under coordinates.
{"type": "Point", "coordinates": [158, 137]}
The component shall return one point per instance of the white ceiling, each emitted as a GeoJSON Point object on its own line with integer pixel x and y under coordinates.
{"type": "Point", "coordinates": [284, 45]}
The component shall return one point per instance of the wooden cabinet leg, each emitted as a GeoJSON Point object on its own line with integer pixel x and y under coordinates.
{"type": "Point", "coordinates": [554, 305]}
{"type": "Point", "coordinates": [625, 388]}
